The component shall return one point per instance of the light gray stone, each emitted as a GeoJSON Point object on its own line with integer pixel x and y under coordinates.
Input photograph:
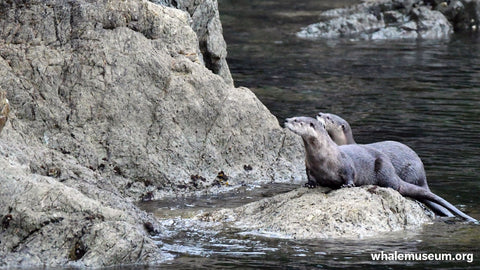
{"type": "Point", "coordinates": [46, 222]}
{"type": "Point", "coordinates": [205, 21]}
{"type": "Point", "coordinates": [431, 24]}
{"type": "Point", "coordinates": [349, 26]}
{"type": "Point", "coordinates": [385, 20]}
{"type": "Point", "coordinates": [111, 103]}
{"type": "Point", "coordinates": [359, 212]}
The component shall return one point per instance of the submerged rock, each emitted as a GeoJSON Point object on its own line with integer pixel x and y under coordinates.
{"type": "Point", "coordinates": [315, 213]}
{"type": "Point", "coordinates": [396, 19]}
{"type": "Point", "coordinates": [110, 104]}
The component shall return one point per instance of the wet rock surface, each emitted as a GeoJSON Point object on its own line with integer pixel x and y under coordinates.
{"type": "Point", "coordinates": [110, 103]}
{"type": "Point", "coordinates": [368, 211]}
{"type": "Point", "coordinates": [398, 19]}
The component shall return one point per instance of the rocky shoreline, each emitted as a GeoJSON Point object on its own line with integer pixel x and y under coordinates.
{"type": "Point", "coordinates": [115, 102]}
{"type": "Point", "coordinates": [111, 103]}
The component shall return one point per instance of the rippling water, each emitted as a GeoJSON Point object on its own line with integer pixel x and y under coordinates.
{"type": "Point", "coordinates": [206, 245]}
{"type": "Point", "coordinates": [424, 94]}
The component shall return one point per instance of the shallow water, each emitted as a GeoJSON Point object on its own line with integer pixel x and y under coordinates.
{"type": "Point", "coordinates": [425, 94]}
{"type": "Point", "coordinates": [208, 245]}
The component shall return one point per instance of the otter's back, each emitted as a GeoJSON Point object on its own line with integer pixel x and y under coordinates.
{"type": "Point", "coordinates": [363, 160]}
{"type": "Point", "coordinates": [406, 162]}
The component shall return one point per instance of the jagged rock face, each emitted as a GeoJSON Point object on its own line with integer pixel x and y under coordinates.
{"type": "Point", "coordinates": [44, 222]}
{"type": "Point", "coordinates": [120, 87]}
{"type": "Point", "coordinates": [205, 21]}
{"type": "Point", "coordinates": [110, 102]}
{"type": "Point", "coordinates": [397, 19]}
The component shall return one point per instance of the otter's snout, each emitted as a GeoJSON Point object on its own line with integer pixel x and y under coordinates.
{"type": "Point", "coordinates": [289, 120]}
{"type": "Point", "coordinates": [286, 121]}
{"type": "Point", "coordinates": [289, 123]}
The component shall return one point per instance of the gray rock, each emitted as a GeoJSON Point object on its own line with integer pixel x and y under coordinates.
{"type": "Point", "coordinates": [205, 21]}
{"type": "Point", "coordinates": [350, 26]}
{"type": "Point", "coordinates": [382, 19]}
{"type": "Point", "coordinates": [46, 222]}
{"type": "Point", "coordinates": [4, 109]}
{"type": "Point", "coordinates": [431, 24]}
{"type": "Point", "coordinates": [367, 211]}
{"type": "Point", "coordinates": [111, 103]}
{"type": "Point", "coordinates": [463, 14]}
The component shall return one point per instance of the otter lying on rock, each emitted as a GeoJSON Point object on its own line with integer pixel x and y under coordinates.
{"type": "Point", "coordinates": [330, 165]}
{"type": "Point", "coordinates": [408, 165]}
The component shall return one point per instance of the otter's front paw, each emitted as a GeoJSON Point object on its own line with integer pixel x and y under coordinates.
{"type": "Point", "coordinates": [310, 184]}
{"type": "Point", "coordinates": [348, 185]}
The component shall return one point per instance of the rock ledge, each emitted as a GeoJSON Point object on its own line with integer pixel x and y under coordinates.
{"type": "Point", "coordinates": [304, 213]}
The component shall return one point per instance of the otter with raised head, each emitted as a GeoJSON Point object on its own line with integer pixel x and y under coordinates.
{"type": "Point", "coordinates": [408, 165]}
{"type": "Point", "coordinates": [330, 165]}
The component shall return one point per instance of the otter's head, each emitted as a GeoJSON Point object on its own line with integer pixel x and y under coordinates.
{"type": "Point", "coordinates": [305, 126]}
{"type": "Point", "coordinates": [338, 129]}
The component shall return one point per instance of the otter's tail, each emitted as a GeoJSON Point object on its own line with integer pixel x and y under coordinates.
{"type": "Point", "coordinates": [438, 209]}
{"type": "Point", "coordinates": [420, 194]}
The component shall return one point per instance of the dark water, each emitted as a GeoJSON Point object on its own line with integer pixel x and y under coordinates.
{"type": "Point", "coordinates": [425, 94]}
{"type": "Point", "coordinates": [206, 245]}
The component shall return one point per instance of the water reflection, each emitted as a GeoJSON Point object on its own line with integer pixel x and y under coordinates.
{"type": "Point", "coordinates": [216, 245]}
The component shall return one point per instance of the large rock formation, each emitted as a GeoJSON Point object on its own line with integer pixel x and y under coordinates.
{"type": "Point", "coordinates": [110, 103]}
{"type": "Point", "coordinates": [205, 21]}
{"type": "Point", "coordinates": [46, 222]}
{"type": "Point", "coordinates": [397, 19]}
{"type": "Point", "coordinates": [367, 211]}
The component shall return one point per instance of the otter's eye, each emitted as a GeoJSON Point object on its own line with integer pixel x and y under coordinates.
{"type": "Point", "coordinates": [328, 117]}
{"type": "Point", "coordinates": [343, 127]}
{"type": "Point", "coordinates": [311, 124]}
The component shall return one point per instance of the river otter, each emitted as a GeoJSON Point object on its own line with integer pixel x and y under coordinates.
{"type": "Point", "coordinates": [408, 165]}
{"type": "Point", "coordinates": [330, 165]}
